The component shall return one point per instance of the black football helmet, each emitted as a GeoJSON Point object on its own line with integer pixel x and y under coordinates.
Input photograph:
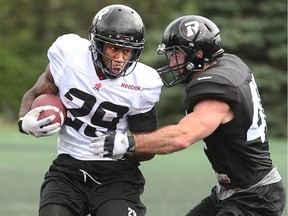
{"type": "Point", "coordinates": [118, 25]}
{"type": "Point", "coordinates": [189, 34]}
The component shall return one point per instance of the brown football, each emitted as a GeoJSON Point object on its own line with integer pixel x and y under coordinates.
{"type": "Point", "coordinates": [57, 108]}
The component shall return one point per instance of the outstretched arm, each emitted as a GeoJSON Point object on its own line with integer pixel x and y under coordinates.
{"type": "Point", "coordinates": [205, 118]}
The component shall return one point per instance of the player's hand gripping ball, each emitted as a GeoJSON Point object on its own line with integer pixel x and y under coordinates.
{"type": "Point", "coordinates": [45, 118]}
{"type": "Point", "coordinates": [53, 106]}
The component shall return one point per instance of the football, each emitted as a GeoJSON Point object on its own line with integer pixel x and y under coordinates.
{"type": "Point", "coordinates": [53, 100]}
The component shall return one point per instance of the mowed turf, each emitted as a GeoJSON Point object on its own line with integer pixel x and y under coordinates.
{"type": "Point", "coordinates": [174, 183]}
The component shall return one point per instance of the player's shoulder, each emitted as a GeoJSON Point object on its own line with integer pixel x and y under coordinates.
{"type": "Point", "coordinates": [233, 61]}
{"type": "Point", "coordinates": [69, 49]}
{"type": "Point", "coordinates": [230, 70]}
{"type": "Point", "coordinates": [70, 38]}
{"type": "Point", "coordinates": [141, 66]}
{"type": "Point", "coordinates": [145, 71]}
{"type": "Point", "coordinates": [146, 74]}
{"type": "Point", "coordinates": [70, 42]}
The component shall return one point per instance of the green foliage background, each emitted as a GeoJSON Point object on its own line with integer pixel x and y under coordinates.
{"type": "Point", "coordinates": [254, 30]}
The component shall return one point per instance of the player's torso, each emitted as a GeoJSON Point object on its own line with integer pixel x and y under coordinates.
{"type": "Point", "coordinates": [98, 104]}
{"type": "Point", "coordinates": [93, 104]}
{"type": "Point", "coordinates": [239, 146]}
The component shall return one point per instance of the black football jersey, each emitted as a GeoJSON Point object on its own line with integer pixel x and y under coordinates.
{"type": "Point", "coordinates": [238, 150]}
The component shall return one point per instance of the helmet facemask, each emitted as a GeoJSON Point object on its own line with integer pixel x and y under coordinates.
{"type": "Point", "coordinates": [179, 72]}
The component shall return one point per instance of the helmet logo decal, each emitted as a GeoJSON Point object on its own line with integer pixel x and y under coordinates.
{"type": "Point", "coordinates": [189, 29]}
{"type": "Point", "coordinates": [102, 13]}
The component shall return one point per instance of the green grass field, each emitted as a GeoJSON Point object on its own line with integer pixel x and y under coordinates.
{"type": "Point", "coordinates": [175, 183]}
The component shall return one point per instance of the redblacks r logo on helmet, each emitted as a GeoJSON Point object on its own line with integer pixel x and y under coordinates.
{"type": "Point", "coordinates": [192, 28]}
{"type": "Point", "coordinates": [189, 29]}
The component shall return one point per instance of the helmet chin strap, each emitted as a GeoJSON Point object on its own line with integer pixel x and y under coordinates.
{"type": "Point", "coordinates": [196, 65]}
{"type": "Point", "coordinates": [199, 63]}
{"type": "Point", "coordinates": [99, 72]}
{"type": "Point", "coordinates": [193, 68]}
{"type": "Point", "coordinates": [189, 69]}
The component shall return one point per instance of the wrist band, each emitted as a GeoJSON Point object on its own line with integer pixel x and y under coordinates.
{"type": "Point", "coordinates": [132, 146]}
{"type": "Point", "coordinates": [20, 126]}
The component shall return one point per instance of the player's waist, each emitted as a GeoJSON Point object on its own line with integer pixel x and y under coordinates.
{"type": "Point", "coordinates": [272, 177]}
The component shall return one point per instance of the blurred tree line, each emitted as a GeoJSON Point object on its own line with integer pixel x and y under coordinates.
{"type": "Point", "coordinates": [254, 30]}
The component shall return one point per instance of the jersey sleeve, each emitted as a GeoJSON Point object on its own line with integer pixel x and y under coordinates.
{"type": "Point", "coordinates": [151, 88]}
{"type": "Point", "coordinates": [59, 55]}
{"type": "Point", "coordinates": [144, 117]}
{"type": "Point", "coordinates": [144, 122]}
{"type": "Point", "coordinates": [150, 85]}
{"type": "Point", "coordinates": [150, 94]}
{"type": "Point", "coordinates": [210, 87]}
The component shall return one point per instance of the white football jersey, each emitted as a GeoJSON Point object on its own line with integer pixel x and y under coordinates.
{"type": "Point", "coordinates": [93, 104]}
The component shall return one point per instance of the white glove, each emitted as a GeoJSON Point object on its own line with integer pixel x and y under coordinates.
{"type": "Point", "coordinates": [30, 124]}
{"type": "Point", "coordinates": [112, 144]}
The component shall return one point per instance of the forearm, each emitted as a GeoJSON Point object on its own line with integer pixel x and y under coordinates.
{"type": "Point", "coordinates": [163, 141]}
{"type": "Point", "coordinates": [190, 129]}
{"type": "Point", "coordinates": [26, 103]}
{"type": "Point", "coordinates": [44, 84]}
{"type": "Point", "coordinates": [138, 156]}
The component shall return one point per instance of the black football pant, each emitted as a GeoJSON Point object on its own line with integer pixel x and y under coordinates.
{"type": "Point", "coordinates": [74, 187]}
{"type": "Point", "coordinates": [110, 208]}
{"type": "Point", "coordinates": [267, 200]}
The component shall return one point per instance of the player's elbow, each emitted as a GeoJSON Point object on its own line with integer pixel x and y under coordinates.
{"type": "Point", "coordinates": [181, 143]}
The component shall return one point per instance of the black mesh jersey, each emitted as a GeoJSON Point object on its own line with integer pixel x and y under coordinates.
{"type": "Point", "coordinates": [237, 150]}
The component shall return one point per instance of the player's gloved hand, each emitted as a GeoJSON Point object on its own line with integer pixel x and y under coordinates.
{"type": "Point", "coordinates": [112, 144]}
{"type": "Point", "coordinates": [30, 124]}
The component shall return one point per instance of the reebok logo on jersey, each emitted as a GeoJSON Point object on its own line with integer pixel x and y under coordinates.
{"type": "Point", "coordinates": [203, 78]}
{"type": "Point", "coordinates": [131, 87]}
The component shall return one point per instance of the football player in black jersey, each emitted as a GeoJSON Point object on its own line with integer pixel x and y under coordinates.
{"type": "Point", "coordinates": [224, 110]}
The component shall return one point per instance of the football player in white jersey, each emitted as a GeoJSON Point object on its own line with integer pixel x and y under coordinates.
{"type": "Point", "coordinates": [224, 110]}
{"type": "Point", "coordinates": [104, 88]}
